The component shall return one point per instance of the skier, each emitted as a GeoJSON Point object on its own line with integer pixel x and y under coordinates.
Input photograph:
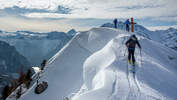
{"type": "Point", "coordinates": [127, 24]}
{"type": "Point", "coordinates": [115, 23]}
{"type": "Point", "coordinates": [131, 44]}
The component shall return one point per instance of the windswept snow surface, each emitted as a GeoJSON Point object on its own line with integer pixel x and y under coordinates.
{"type": "Point", "coordinates": [107, 77]}
{"type": "Point", "coordinates": [93, 66]}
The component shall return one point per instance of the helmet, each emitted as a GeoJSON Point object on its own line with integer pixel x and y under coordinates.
{"type": "Point", "coordinates": [133, 36]}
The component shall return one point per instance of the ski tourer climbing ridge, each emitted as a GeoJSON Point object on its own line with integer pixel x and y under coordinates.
{"type": "Point", "coordinates": [131, 44]}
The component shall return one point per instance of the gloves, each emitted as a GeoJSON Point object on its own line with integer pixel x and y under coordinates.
{"type": "Point", "coordinates": [127, 45]}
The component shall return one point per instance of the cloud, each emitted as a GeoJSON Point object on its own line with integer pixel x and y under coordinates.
{"type": "Point", "coordinates": [39, 25]}
{"type": "Point", "coordinates": [71, 10]}
{"type": "Point", "coordinates": [91, 8]}
{"type": "Point", "coordinates": [104, 8]}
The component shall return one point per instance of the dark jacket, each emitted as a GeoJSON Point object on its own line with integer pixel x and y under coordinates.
{"type": "Point", "coordinates": [115, 21]}
{"type": "Point", "coordinates": [132, 43]}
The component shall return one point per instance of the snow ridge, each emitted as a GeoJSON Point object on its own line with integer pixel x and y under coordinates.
{"type": "Point", "coordinates": [93, 66]}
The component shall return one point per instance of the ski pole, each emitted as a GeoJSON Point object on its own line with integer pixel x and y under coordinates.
{"type": "Point", "coordinates": [125, 51]}
{"type": "Point", "coordinates": [141, 58]}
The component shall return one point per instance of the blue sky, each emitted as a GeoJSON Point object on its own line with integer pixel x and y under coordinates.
{"type": "Point", "coordinates": [62, 15]}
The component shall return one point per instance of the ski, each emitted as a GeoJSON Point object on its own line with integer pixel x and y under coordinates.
{"type": "Point", "coordinates": [132, 68]}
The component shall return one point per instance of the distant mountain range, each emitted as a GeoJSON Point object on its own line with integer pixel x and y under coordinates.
{"type": "Point", "coordinates": [36, 46]}
{"type": "Point", "coordinates": [35, 35]}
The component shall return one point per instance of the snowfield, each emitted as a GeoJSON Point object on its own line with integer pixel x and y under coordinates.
{"type": "Point", "coordinates": [93, 66]}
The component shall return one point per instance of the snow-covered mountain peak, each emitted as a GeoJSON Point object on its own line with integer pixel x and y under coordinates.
{"type": "Point", "coordinates": [166, 37]}
{"type": "Point", "coordinates": [93, 66]}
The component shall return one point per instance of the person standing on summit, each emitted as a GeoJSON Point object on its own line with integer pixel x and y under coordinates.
{"type": "Point", "coordinates": [127, 22]}
{"type": "Point", "coordinates": [115, 23]}
{"type": "Point", "coordinates": [131, 44]}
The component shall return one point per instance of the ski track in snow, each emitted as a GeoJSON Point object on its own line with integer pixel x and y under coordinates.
{"type": "Point", "coordinates": [134, 92]}
{"type": "Point", "coordinates": [135, 89]}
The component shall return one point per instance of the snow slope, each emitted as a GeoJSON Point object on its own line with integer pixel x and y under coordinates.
{"type": "Point", "coordinates": [107, 77]}
{"type": "Point", "coordinates": [92, 66]}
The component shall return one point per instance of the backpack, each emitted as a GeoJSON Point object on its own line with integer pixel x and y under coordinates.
{"type": "Point", "coordinates": [132, 43]}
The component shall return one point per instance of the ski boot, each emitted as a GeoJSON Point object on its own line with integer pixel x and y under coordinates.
{"type": "Point", "coordinates": [133, 64]}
